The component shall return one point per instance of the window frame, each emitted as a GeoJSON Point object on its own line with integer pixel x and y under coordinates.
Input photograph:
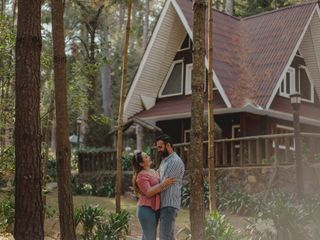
{"type": "Point", "coordinates": [188, 87]}
{"type": "Point", "coordinates": [161, 95]}
{"type": "Point", "coordinates": [284, 93]}
{"type": "Point", "coordinates": [189, 44]}
{"type": "Point", "coordinates": [311, 85]}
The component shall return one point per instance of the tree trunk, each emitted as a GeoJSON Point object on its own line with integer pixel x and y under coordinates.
{"type": "Point", "coordinates": [47, 141]}
{"type": "Point", "coordinates": [28, 200]}
{"type": "Point", "coordinates": [105, 77]}
{"type": "Point", "coordinates": [121, 106]}
{"type": "Point", "coordinates": [196, 153]}
{"type": "Point", "coordinates": [146, 24]}
{"type": "Point", "coordinates": [67, 227]}
{"type": "Point", "coordinates": [229, 7]}
{"type": "Point", "coordinates": [211, 160]}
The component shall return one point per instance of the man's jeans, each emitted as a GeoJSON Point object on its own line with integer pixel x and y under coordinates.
{"type": "Point", "coordinates": [148, 220]}
{"type": "Point", "coordinates": [167, 221]}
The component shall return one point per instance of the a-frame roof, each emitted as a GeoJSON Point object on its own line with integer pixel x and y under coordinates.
{"type": "Point", "coordinates": [251, 55]}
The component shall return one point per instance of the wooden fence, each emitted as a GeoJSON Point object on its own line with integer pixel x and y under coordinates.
{"type": "Point", "coordinates": [236, 152]}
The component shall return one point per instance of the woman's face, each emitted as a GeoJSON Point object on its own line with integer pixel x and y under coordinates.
{"type": "Point", "coordinates": [146, 160]}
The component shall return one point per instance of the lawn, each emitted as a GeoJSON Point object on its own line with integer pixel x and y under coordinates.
{"type": "Point", "coordinates": [52, 224]}
{"type": "Point", "coordinates": [127, 202]}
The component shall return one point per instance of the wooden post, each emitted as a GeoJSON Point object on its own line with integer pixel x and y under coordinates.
{"type": "Point", "coordinates": [120, 117]}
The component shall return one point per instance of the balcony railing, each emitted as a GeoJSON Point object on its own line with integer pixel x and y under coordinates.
{"type": "Point", "coordinates": [236, 152]}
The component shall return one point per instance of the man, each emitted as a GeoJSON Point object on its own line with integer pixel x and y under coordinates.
{"type": "Point", "coordinates": [170, 166]}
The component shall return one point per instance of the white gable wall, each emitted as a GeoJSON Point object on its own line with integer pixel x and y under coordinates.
{"type": "Point", "coordinates": [156, 60]}
{"type": "Point", "coordinates": [310, 50]}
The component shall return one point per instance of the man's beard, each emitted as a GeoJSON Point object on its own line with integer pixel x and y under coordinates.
{"type": "Point", "coordinates": [164, 153]}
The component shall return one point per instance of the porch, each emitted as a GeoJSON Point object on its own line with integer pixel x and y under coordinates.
{"type": "Point", "coordinates": [240, 152]}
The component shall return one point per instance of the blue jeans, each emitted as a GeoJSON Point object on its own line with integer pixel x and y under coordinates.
{"type": "Point", "coordinates": [167, 220]}
{"type": "Point", "coordinates": [148, 219]}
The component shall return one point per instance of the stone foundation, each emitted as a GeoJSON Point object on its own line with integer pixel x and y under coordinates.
{"type": "Point", "coordinates": [249, 179]}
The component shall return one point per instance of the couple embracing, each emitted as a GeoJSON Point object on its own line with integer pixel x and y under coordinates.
{"type": "Point", "coordinates": [160, 191]}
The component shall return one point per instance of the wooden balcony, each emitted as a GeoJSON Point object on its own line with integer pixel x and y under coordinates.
{"type": "Point", "coordinates": [237, 152]}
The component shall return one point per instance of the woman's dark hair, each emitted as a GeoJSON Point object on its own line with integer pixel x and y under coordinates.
{"type": "Point", "coordinates": [135, 161]}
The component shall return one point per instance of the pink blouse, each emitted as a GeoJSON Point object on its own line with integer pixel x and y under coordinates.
{"type": "Point", "coordinates": [145, 181]}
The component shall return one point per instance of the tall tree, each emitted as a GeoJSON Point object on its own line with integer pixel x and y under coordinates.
{"type": "Point", "coordinates": [146, 11]}
{"type": "Point", "coordinates": [197, 112]}
{"type": "Point", "coordinates": [121, 106]}
{"type": "Point", "coordinates": [28, 200]}
{"type": "Point", "coordinates": [211, 160]}
{"type": "Point", "coordinates": [67, 227]}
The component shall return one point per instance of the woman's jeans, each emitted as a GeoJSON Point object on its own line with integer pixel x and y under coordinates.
{"type": "Point", "coordinates": [148, 219]}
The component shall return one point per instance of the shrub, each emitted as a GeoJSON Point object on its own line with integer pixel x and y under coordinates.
{"type": "Point", "coordinates": [107, 189]}
{"type": "Point", "coordinates": [311, 205]}
{"type": "Point", "coordinates": [97, 227]}
{"type": "Point", "coordinates": [217, 227]}
{"type": "Point", "coordinates": [185, 195]}
{"type": "Point", "coordinates": [52, 169]}
{"type": "Point", "coordinates": [116, 227]}
{"type": "Point", "coordinates": [89, 216]}
{"type": "Point", "coordinates": [239, 202]}
{"type": "Point", "coordinates": [7, 213]}
{"type": "Point", "coordinates": [290, 220]}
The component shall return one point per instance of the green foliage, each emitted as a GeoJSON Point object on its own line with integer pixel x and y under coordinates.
{"type": "Point", "coordinates": [89, 216]}
{"type": "Point", "coordinates": [117, 227]}
{"type": "Point", "coordinates": [97, 132]}
{"type": "Point", "coordinates": [83, 188]}
{"type": "Point", "coordinates": [288, 219]}
{"type": "Point", "coordinates": [52, 169]}
{"type": "Point", "coordinates": [98, 227]}
{"type": "Point", "coordinates": [7, 213]}
{"type": "Point", "coordinates": [108, 189]}
{"type": "Point", "coordinates": [7, 158]}
{"type": "Point", "coordinates": [185, 195]}
{"type": "Point", "coordinates": [218, 228]}
{"type": "Point", "coordinates": [126, 161]}
{"type": "Point", "coordinates": [311, 204]}
{"type": "Point", "coordinates": [90, 188]}
{"type": "Point", "coordinates": [239, 202]}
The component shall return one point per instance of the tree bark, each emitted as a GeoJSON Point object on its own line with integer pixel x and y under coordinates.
{"type": "Point", "coordinates": [121, 107]}
{"type": "Point", "coordinates": [196, 153]}
{"type": "Point", "coordinates": [28, 200]}
{"type": "Point", "coordinates": [47, 141]}
{"type": "Point", "coordinates": [67, 227]}
{"type": "Point", "coordinates": [146, 24]}
{"type": "Point", "coordinates": [211, 160]}
{"type": "Point", "coordinates": [229, 7]}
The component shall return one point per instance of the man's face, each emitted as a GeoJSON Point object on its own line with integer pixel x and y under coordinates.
{"type": "Point", "coordinates": [162, 149]}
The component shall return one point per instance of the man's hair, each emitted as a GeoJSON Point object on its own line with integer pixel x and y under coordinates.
{"type": "Point", "coordinates": [165, 138]}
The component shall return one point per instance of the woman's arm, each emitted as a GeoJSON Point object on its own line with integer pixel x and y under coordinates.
{"type": "Point", "coordinates": [148, 191]}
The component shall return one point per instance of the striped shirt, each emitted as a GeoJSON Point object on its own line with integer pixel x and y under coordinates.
{"type": "Point", "coordinates": [172, 166]}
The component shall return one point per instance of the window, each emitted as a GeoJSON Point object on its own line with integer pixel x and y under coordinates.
{"type": "Point", "coordinates": [186, 138]}
{"type": "Point", "coordinates": [236, 131]}
{"type": "Point", "coordinates": [297, 84]}
{"type": "Point", "coordinates": [306, 86]}
{"type": "Point", "coordinates": [288, 84]}
{"type": "Point", "coordinates": [172, 86]}
{"type": "Point", "coordinates": [281, 129]}
{"type": "Point", "coordinates": [189, 68]}
{"type": "Point", "coordinates": [185, 44]}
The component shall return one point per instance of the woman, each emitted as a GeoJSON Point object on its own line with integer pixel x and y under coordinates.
{"type": "Point", "coordinates": [146, 182]}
